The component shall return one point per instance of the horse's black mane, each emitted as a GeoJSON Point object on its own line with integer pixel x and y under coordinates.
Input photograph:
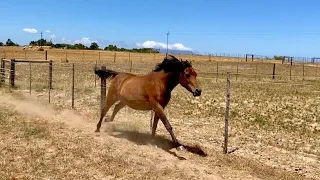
{"type": "Point", "coordinates": [172, 64]}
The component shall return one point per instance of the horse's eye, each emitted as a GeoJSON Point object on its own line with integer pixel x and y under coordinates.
{"type": "Point", "coordinates": [187, 75]}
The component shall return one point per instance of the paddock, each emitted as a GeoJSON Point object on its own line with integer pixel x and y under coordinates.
{"type": "Point", "coordinates": [272, 121]}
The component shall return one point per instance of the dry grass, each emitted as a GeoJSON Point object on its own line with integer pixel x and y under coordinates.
{"type": "Point", "coordinates": [273, 125]}
{"type": "Point", "coordinates": [39, 142]}
{"type": "Point", "coordinates": [62, 55]}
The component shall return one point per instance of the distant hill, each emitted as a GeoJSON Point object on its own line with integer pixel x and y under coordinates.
{"type": "Point", "coordinates": [175, 51]}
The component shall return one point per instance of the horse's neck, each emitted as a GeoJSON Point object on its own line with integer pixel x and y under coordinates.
{"type": "Point", "coordinates": [170, 81]}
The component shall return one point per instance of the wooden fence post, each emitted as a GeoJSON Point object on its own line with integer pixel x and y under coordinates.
{"type": "Point", "coordinates": [12, 72]}
{"type": "Point", "coordinates": [50, 74]}
{"type": "Point", "coordinates": [103, 90]}
{"type": "Point", "coordinates": [2, 71]}
{"type": "Point", "coordinates": [95, 67]}
{"type": "Point", "coordinates": [46, 55]}
{"type": "Point", "coordinates": [72, 85]}
{"type": "Point", "coordinates": [129, 56]}
{"type": "Point", "coordinates": [290, 71]}
{"type": "Point", "coordinates": [30, 77]}
{"type": "Point", "coordinates": [237, 70]}
{"type": "Point", "coordinates": [303, 71]}
{"type": "Point", "coordinates": [226, 127]}
{"type": "Point", "coordinates": [274, 70]}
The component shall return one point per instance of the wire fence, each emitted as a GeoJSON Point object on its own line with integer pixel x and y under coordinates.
{"type": "Point", "coordinates": [65, 55]}
{"type": "Point", "coordinates": [34, 77]}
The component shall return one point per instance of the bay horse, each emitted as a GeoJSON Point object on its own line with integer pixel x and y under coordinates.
{"type": "Point", "coordinates": [151, 91]}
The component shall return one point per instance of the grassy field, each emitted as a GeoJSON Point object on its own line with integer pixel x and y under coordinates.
{"type": "Point", "coordinates": [274, 125]}
{"type": "Point", "coordinates": [62, 55]}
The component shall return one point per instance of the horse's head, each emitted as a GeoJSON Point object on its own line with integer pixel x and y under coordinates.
{"type": "Point", "coordinates": [188, 78]}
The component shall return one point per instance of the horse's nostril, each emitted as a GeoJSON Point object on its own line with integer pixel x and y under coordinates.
{"type": "Point", "coordinates": [197, 91]}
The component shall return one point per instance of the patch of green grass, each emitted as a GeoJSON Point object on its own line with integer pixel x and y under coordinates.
{"type": "Point", "coordinates": [39, 87]}
{"type": "Point", "coordinates": [32, 132]}
{"type": "Point", "coordinates": [37, 129]}
{"type": "Point", "coordinates": [88, 90]}
{"type": "Point", "coordinates": [261, 121]}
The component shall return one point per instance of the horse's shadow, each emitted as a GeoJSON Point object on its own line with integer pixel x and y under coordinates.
{"type": "Point", "coordinates": [159, 141]}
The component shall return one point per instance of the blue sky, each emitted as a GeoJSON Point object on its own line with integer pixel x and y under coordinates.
{"type": "Point", "coordinates": [273, 27]}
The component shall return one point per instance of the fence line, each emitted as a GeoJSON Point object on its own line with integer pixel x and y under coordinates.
{"type": "Point", "coordinates": [205, 75]}
{"type": "Point", "coordinates": [78, 54]}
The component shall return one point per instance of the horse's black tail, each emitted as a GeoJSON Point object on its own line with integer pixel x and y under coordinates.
{"type": "Point", "coordinates": [107, 73]}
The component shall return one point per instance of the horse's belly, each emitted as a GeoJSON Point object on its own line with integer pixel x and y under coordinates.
{"type": "Point", "coordinates": [134, 99]}
{"type": "Point", "coordinates": [136, 104]}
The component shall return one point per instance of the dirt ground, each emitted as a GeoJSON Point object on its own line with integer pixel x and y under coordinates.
{"type": "Point", "coordinates": [41, 141]}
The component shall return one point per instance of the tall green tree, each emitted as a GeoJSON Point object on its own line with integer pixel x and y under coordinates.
{"type": "Point", "coordinates": [1, 43]}
{"type": "Point", "coordinates": [80, 46]}
{"type": "Point", "coordinates": [9, 42]}
{"type": "Point", "coordinates": [111, 48]}
{"type": "Point", "coordinates": [94, 46]}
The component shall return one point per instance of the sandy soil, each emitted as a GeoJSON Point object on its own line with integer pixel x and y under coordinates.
{"type": "Point", "coordinates": [40, 141]}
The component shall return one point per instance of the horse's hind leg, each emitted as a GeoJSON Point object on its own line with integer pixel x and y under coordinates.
{"type": "Point", "coordinates": [116, 109]}
{"type": "Point", "coordinates": [155, 124]}
{"type": "Point", "coordinates": [111, 99]}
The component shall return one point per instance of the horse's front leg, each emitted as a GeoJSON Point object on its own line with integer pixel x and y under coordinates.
{"type": "Point", "coordinates": [158, 109]}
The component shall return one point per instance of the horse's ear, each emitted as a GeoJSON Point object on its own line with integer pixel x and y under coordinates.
{"type": "Point", "coordinates": [189, 62]}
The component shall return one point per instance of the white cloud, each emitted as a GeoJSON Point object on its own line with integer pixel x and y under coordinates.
{"type": "Point", "coordinates": [84, 41]}
{"type": "Point", "coordinates": [52, 36]}
{"type": "Point", "coordinates": [65, 40]}
{"type": "Point", "coordinates": [48, 31]}
{"type": "Point", "coordinates": [30, 30]}
{"type": "Point", "coordinates": [159, 45]}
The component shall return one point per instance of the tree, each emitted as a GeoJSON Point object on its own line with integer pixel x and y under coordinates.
{"type": "Point", "coordinates": [94, 46]}
{"type": "Point", "coordinates": [142, 50]}
{"type": "Point", "coordinates": [1, 43]}
{"type": "Point", "coordinates": [11, 43]}
{"type": "Point", "coordinates": [80, 46]}
{"type": "Point", "coordinates": [33, 43]}
{"type": "Point", "coordinates": [111, 48]}
{"type": "Point", "coordinates": [278, 57]}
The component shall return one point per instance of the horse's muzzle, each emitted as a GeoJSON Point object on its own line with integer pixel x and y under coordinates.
{"type": "Point", "coordinates": [197, 92]}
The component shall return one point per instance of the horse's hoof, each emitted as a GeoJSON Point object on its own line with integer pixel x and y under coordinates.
{"type": "Point", "coordinates": [97, 130]}
{"type": "Point", "coordinates": [180, 148]}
